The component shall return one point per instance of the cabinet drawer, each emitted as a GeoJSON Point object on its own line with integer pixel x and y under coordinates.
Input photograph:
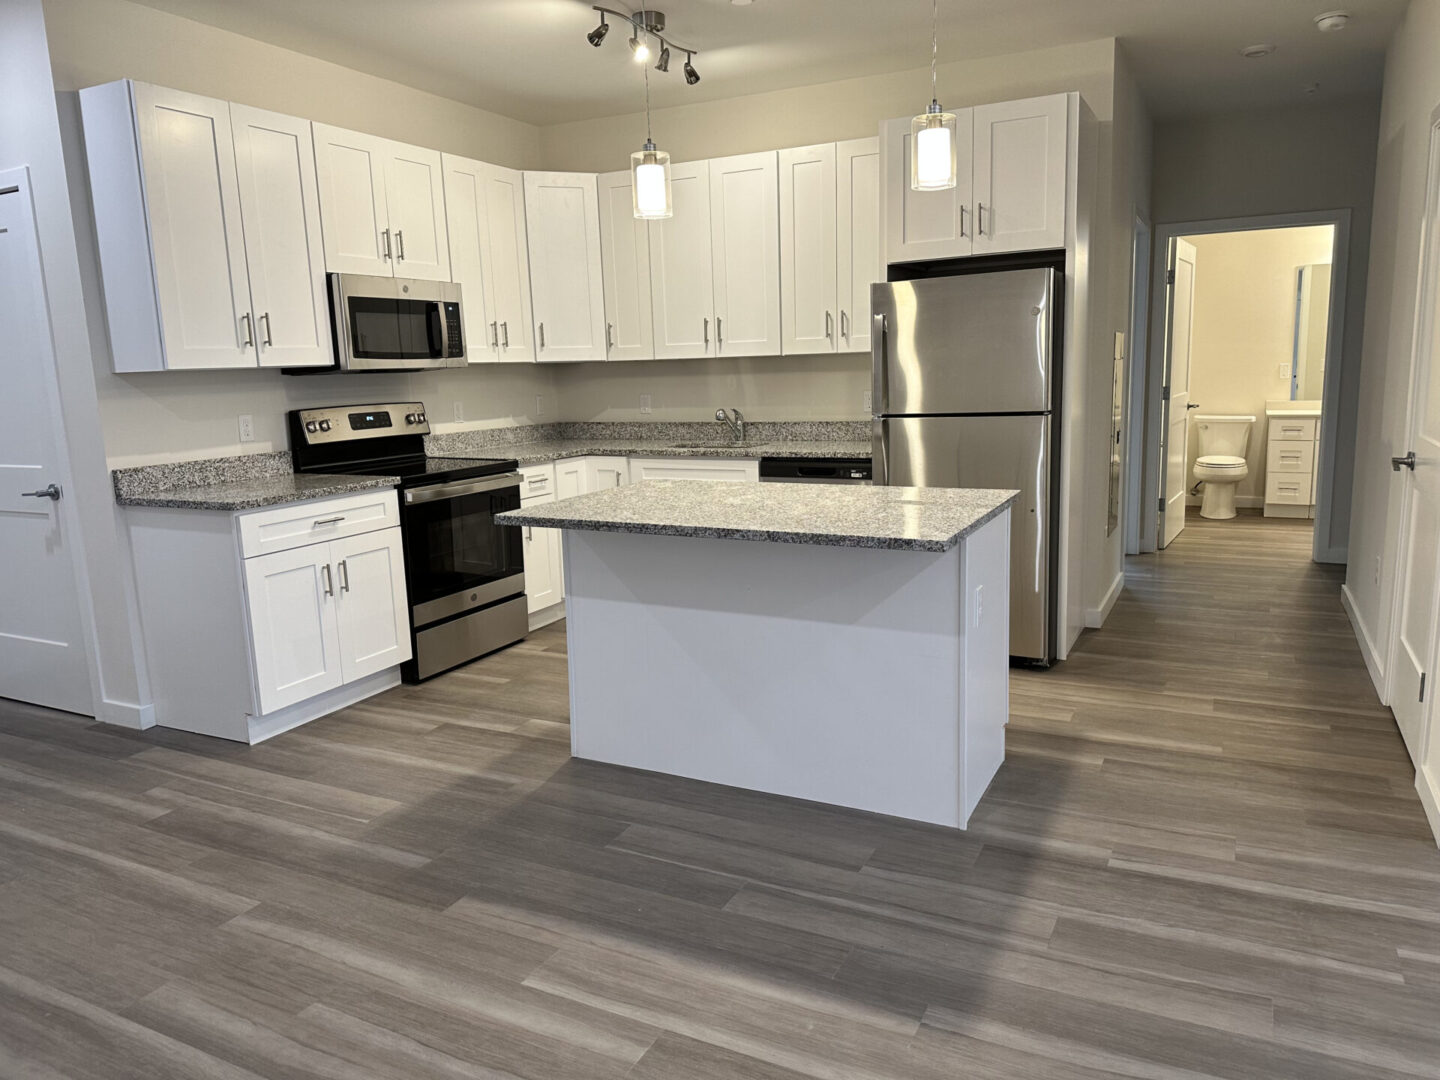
{"type": "Point", "coordinates": [537, 480]}
{"type": "Point", "coordinates": [1292, 489]}
{"type": "Point", "coordinates": [731, 469]}
{"type": "Point", "coordinates": [284, 527]}
{"type": "Point", "coordinates": [1284, 456]}
{"type": "Point", "coordinates": [1300, 427]}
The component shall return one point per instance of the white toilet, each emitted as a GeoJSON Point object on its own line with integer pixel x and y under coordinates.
{"type": "Point", "coordinates": [1221, 464]}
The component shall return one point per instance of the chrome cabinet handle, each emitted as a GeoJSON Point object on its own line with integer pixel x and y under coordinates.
{"type": "Point", "coordinates": [829, 326]}
{"type": "Point", "coordinates": [719, 332]}
{"type": "Point", "coordinates": [529, 533]}
{"type": "Point", "coordinates": [400, 243]}
{"type": "Point", "coordinates": [385, 239]}
{"type": "Point", "coordinates": [50, 491]}
{"type": "Point", "coordinates": [505, 329]}
{"type": "Point", "coordinates": [328, 521]}
{"type": "Point", "coordinates": [609, 336]}
{"type": "Point", "coordinates": [266, 320]}
{"type": "Point", "coordinates": [329, 582]}
{"type": "Point", "coordinates": [707, 332]}
{"type": "Point", "coordinates": [344, 576]}
{"type": "Point", "coordinates": [1396, 463]}
{"type": "Point", "coordinates": [980, 220]}
{"type": "Point", "coordinates": [963, 233]}
{"type": "Point", "coordinates": [542, 335]}
{"type": "Point", "coordinates": [495, 335]}
{"type": "Point", "coordinates": [249, 325]}
{"type": "Point", "coordinates": [844, 324]}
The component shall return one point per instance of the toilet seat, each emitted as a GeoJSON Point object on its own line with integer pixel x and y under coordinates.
{"type": "Point", "coordinates": [1220, 461]}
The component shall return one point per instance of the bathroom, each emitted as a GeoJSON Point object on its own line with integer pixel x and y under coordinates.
{"type": "Point", "coordinates": [1261, 315]}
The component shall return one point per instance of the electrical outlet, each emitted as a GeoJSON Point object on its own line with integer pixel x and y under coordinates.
{"type": "Point", "coordinates": [644, 403]}
{"type": "Point", "coordinates": [539, 404]}
{"type": "Point", "coordinates": [867, 401]}
{"type": "Point", "coordinates": [247, 428]}
{"type": "Point", "coordinates": [459, 411]}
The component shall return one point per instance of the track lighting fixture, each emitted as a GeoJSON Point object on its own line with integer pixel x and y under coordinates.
{"type": "Point", "coordinates": [645, 25]}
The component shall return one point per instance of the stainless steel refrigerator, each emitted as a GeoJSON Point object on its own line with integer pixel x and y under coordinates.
{"type": "Point", "coordinates": [965, 395]}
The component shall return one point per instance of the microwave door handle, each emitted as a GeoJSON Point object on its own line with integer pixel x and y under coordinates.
{"type": "Point", "coordinates": [435, 328]}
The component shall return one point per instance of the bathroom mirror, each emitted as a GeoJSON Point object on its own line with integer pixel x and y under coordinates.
{"type": "Point", "coordinates": [1312, 328]}
{"type": "Point", "coordinates": [1117, 415]}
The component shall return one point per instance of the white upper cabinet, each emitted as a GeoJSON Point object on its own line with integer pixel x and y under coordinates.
{"type": "Point", "coordinates": [1011, 188]}
{"type": "Point", "coordinates": [745, 253]}
{"type": "Point", "coordinates": [168, 228]}
{"type": "Point", "coordinates": [625, 251]}
{"type": "Point", "coordinates": [280, 208]}
{"type": "Point", "coordinates": [926, 224]}
{"type": "Point", "coordinates": [382, 206]}
{"type": "Point", "coordinates": [808, 221]}
{"type": "Point", "coordinates": [681, 269]}
{"type": "Point", "coordinates": [1020, 170]}
{"type": "Point", "coordinates": [468, 227]}
{"type": "Point", "coordinates": [508, 277]}
{"type": "Point", "coordinates": [562, 217]}
{"type": "Point", "coordinates": [859, 264]}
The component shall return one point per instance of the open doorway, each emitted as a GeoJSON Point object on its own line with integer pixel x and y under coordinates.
{"type": "Point", "coordinates": [1244, 366]}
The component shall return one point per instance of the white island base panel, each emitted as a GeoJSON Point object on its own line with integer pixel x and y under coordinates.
{"type": "Point", "coordinates": [861, 677]}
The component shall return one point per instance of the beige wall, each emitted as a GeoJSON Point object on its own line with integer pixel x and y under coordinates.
{"type": "Point", "coordinates": [1412, 93]}
{"type": "Point", "coordinates": [1280, 161]}
{"type": "Point", "coordinates": [1243, 330]}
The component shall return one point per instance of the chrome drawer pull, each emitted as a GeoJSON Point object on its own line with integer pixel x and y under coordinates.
{"type": "Point", "coordinates": [329, 520]}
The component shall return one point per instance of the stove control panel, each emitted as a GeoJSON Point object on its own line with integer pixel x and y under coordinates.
{"type": "Point", "coordinates": [345, 423]}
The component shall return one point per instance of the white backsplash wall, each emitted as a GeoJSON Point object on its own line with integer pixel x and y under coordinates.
{"type": "Point", "coordinates": [823, 387]}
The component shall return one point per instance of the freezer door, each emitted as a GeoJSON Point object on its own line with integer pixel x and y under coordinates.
{"type": "Point", "coordinates": [987, 452]}
{"type": "Point", "coordinates": [976, 343]}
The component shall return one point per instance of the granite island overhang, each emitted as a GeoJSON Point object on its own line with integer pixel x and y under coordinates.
{"type": "Point", "coordinates": [845, 644]}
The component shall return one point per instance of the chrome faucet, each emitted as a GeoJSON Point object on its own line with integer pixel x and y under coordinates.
{"type": "Point", "coordinates": [736, 426]}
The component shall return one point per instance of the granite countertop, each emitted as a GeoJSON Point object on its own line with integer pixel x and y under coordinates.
{"type": "Point", "coordinates": [905, 519]}
{"type": "Point", "coordinates": [538, 453]}
{"type": "Point", "coordinates": [257, 492]}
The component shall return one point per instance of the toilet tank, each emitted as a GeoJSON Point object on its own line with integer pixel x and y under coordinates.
{"type": "Point", "coordinates": [1224, 434]}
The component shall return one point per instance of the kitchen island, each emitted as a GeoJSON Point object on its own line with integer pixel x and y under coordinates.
{"type": "Point", "coordinates": [843, 644]}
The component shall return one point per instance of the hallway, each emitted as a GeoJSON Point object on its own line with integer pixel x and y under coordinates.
{"type": "Point", "coordinates": [1179, 871]}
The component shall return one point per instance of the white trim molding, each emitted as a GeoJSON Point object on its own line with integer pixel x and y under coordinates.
{"type": "Point", "coordinates": [1095, 617]}
{"type": "Point", "coordinates": [1429, 791]}
{"type": "Point", "coordinates": [126, 714]}
{"type": "Point", "coordinates": [1371, 654]}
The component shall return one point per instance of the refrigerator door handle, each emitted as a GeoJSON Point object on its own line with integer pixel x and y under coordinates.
{"type": "Point", "coordinates": [879, 385]}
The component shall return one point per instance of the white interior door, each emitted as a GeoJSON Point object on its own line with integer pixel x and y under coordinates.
{"type": "Point", "coordinates": [1179, 315]}
{"type": "Point", "coordinates": [42, 651]}
{"type": "Point", "coordinates": [625, 249]}
{"type": "Point", "coordinates": [808, 217]}
{"type": "Point", "coordinates": [1417, 588]}
{"type": "Point", "coordinates": [280, 208]}
{"type": "Point", "coordinates": [371, 608]}
{"type": "Point", "coordinates": [562, 216]}
{"type": "Point", "coordinates": [193, 204]}
{"type": "Point", "coordinates": [350, 168]}
{"type": "Point", "coordinates": [507, 281]}
{"type": "Point", "coordinates": [293, 628]}
{"type": "Point", "coordinates": [415, 204]}
{"type": "Point", "coordinates": [857, 177]}
{"type": "Point", "coordinates": [745, 251]}
{"type": "Point", "coordinates": [469, 263]}
{"type": "Point", "coordinates": [682, 274]}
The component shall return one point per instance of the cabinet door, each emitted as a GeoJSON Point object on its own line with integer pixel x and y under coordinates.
{"type": "Point", "coordinates": [415, 204]}
{"type": "Point", "coordinates": [606, 472]}
{"type": "Point", "coordinates": [372, 611]}
{"type": "Point", "coordinates": [280, 207]}
{"type": "Point", "coordinates": [735, 470]}
{"type": "Point", "coordinates": [354, 221]}
{"type": "Point", "coordinates": [293, 627]}
{"type": "Point", "coordinates": [681, 268]}
{"type": "Point", "coordinates": [562, 217]}
{"type": "Point", "coordinates": [745, 253]}
{"type": "Point", "coordinates": [1020, 159]}
{"type": "Point", "coordinates": [857, 169]}
{"type": "Point", "coordinates": [808, 308]}
{"type": "Point", "coordinates": [542, 562]}
{"type": "Point", "coordinates": [467, 226]}
{"type": "Point", "coordinates": [570, 478]}
{"type": "Point", "coordinates": [625, 251]}
{"type": "Point", "coordinates": [192, 199]}
{"type": "Point", "coordinates": [925, 224]}
{"type": "Point", "coordinates": [508, 279]}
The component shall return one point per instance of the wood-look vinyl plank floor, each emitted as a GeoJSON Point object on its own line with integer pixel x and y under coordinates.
{"type": "Point", "coordinates": [1203, 858]}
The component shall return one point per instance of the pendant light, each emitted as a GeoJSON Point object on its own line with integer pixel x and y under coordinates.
{"type": "Point", "coordinates": [932, 133]}
{"type": "Point", "coordinates": [650, 172]}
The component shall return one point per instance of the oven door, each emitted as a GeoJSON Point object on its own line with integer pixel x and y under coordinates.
{"type": "Point", "coordinates": [456, 557]}
{"type": "Point", "coordinates": [393, 324]}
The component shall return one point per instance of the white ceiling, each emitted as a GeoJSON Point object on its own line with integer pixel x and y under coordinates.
{"type": "Point", "coordinates": [529, 58]}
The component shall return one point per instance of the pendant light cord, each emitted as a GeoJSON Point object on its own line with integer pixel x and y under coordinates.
{"type": "Point", "coordinates": [934, 46]}
{"type": "Point", "coordinates": [646, 67]}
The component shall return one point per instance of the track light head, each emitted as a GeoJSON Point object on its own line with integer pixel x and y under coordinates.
{"type": "Point", "coordinates": [640, 48]}
{"type": "Point", "coordinates": [663, 63]}
{"type": "Point", "coordinates": [691, 75]}
{"type": "Point", "coordinates": [596, 36]}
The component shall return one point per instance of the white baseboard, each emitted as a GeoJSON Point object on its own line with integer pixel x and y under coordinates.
{"type": "Point", "coordinates": [1095, 617]}
{"type": "Point", "coordinates": [546, 616]}
{"type": "Point", "coordinates": [1429, 792]}
{"type": "Point", "coordinates": [1367, 643]}
{"type": "Point", "coordinates": [302, 712]}
{"type": "Point", "coordinates": [126, 714]}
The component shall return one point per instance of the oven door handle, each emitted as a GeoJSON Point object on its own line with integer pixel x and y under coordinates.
{"type": "Point", "coordinates": [456, 488]}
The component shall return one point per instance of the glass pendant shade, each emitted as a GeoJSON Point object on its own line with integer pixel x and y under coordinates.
{"type": "Point", "coordinates": [650, 174]}
{"type": "Point", "coordinates": [932, 150]}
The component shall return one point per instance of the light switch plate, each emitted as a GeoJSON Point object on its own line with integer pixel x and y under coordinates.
{"type": "Point", "coordinates": [644, 403]}
{"type": "Point", "coordinates": [539, 404]}
{"type": "Point", "coordinates": [459, 411]}
{"type": "Point", "coordinates": [247, 428]}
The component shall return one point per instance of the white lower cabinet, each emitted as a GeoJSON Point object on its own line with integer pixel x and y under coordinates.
{"type": "Point", "coordinates": [544, 573]}
{"type": "Point", "coordinates": [606, 472]}
{"type": "Point", "coordinates": [731, 469]}
{"type": "Point", "coordinates": [310, 617]}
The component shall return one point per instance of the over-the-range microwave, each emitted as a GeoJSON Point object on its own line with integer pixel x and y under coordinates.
{"type": "Point", "coordinates": [395, 324]}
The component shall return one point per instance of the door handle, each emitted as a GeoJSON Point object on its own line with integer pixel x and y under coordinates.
{"type": "Point", "coordinates": [706, 332]}
{"type": "Point", "coordinates": [52, 492]}
{"type": "Point", "coordinates": [1188, 406]}
{"type": "Point", "coordinates": [542, 335]}
{"type": "Point", "coordinates": [385, 239]}
{"type": "Point", "coordinates": [980, 219]}
{"type": "Point", "coordinates": [609, 336]}
{"type": "Point", "coordinates": [719, 332]}
{"type": "Point", "coordinates": [829, 326]}
{"type": "Point", "coordinates": [963, 233]}
{"type": "Point", "coordinates": [329, 582]}
{"type": "Point", "coordinates": [844, 324]}
{"type": "Point", "coordinates": [1396, 463]}
{"type": "Point", "coordinates": [344, 576]}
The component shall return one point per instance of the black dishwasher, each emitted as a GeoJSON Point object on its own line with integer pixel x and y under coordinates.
{"type": "Point", "coordinates": [816, 470]}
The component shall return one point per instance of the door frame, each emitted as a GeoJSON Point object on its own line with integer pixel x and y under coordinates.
{"type": "Point", "coordinates": [18, 179]}
{"type": "Point", "coordinates": [1165, 235]}
{"type": "Point", "coordinates": [1139, 346]}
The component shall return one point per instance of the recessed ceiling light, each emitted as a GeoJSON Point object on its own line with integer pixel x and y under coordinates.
{"type": "Point", "coordinates": [1254, 52]}
{"type": "Point", "coordinates": [1309, 88]}
{"type": "Point", "coordinates": [1331, 21]}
